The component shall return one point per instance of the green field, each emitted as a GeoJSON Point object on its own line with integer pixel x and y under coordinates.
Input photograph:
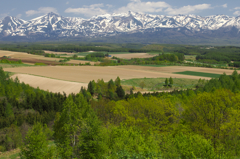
{"type": "Point", "coordinates": [202, 74]}
{"type": "Point", "coordinates": [112, 53]}
{"type": "Point", "coordinates": [155, 65]}
{"type": "Point", "coordinates": [157, 83]}
{"type": "Point", "coordinates": [190, 57]}
{"type": "Point", "coordinates": [5, 65]}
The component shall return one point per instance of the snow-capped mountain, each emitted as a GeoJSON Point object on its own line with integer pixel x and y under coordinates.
{"type": "Point", "coordinates": [55, 26]}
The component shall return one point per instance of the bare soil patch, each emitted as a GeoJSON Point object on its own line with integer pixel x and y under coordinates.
{"type": "Point", "coordinates": [51, 85]}
{"type": "Point", "coordinates": [133, 55]}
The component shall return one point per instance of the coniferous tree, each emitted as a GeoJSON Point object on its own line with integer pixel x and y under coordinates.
{"type": "Point", "coordinates": [171, 81]}
{"type": "Point", "coordinates": [90, 88]}
{"type": "Point", "coordinates": [117, 81]}
{"type": "Point", "coordinates": [166, 82]}
{"type": "Point", "coordinates": [120, 92]}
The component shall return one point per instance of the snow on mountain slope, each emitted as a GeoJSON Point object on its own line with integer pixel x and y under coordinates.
{"type": "Point", "coordinates": [54, 25]}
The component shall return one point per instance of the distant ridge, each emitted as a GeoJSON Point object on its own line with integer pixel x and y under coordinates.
{"type": "Point", "coordinates": [131, 24]}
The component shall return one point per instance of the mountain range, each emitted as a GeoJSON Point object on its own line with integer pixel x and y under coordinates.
{"type": "Point", "coordinates": [130, 25]}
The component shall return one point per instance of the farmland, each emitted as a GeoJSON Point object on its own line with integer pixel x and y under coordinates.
{"type": "Point", "coordinates": [133, 55]}
{"type": "Point", "coordinates": [202, 74]}
{"type": "Point", "coordinates": [51, 85]}
{"type": "Point", "coordinates": [71, 78]}
{"type": "Point", "coordinates": [86, 73]}
{"type": "Point", "coordinates": [158, 83]}
{"type": "Point", "coordinates": [32, 59]}
{"type": "Point", "coordinates": [132, 108]}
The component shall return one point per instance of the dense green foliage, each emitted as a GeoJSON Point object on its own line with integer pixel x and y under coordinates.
{"type": "Point", "coordinates": [180, 124]}
{"type": "Point", "coordinates": [10, 62]}
{"type": "Point", "coordinates": [37, 48]}
{"type": "Point", "coordinates": [22, 106]}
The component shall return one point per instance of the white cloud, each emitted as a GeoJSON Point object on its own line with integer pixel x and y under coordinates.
{"type": "Point", "coordinates": [109, 5]}
{"type": "Point", "coordinates": [41, 10]}
{"type": "Point", "coordinates": [19, 16]}
{"type": "Point", "coordinates": [236, 13]}
{"type": "Point", "coordinates": [67, 2]}
{"type": "Point", "coordinates": [139, 6]}
{"type": "Point", "coordinates": [88, 11]}
{"type": "Point", "coordinates": [187, 9]}
{"type": "Point", "coordinates": [2, 16]}
{"type": "Point", "coordinates": [225, 5]}
{"type": "Point", "coordinates": [237, 8]}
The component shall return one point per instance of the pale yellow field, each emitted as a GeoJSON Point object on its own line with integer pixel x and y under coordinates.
{"type": "Point", "coordinates": [133, 55]}
{"type": "Point", "coordinates": [81, 75]}
{"type": "Point", "coordinates": [81, 61]}
{"type": "Point", "coordinates": [51, 85]}
{"type": "Point", "coordinates": [23, 55]}
{"type": "Point", "coordinates": [87, 73]}
{"type": "Point", "coordinates": [59, 53]}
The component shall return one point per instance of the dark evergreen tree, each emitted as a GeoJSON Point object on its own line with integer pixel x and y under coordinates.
{"type": "Point", "coordinates": [120, 92]}
{"type": "Point", "coordinates": [166, 82]}
{"type": "Point", "coordinates": [171, 81]}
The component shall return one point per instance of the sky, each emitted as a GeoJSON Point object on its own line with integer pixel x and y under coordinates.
{"type": "Point", "coordinates": [29, 9]}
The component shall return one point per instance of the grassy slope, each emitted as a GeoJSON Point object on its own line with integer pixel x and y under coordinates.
{"type": "Point", "coordinates": [14, 154]}
{"type": "Point", "coordinates": [157, 83]}
{"type": "Point", "coordinates": [5, 65]}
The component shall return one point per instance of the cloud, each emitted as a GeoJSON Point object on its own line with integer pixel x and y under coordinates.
{"type": "Point", "coordinates": [2, 16]}
{"type": "Point", "coordinates": [187, 9]}
{"type": "Point", "coordinates": [225, 5]}
{"type": "Point", "coordinates": [236, 13]}
{"type": "Point", "coordinates": [88, 11]}
{"type": "Point", "coordinates": [19, 16]}
{"type": "Point", "coordinates": [109, 5]}
{"type": "Point", "coordinates": [139, 6]}
{"type": "Point", "coordinates": [67, 2]}
{"type": "Point", "coordinates": [237, 8]}
{"type": "Point", "coordinates": [41, 10]}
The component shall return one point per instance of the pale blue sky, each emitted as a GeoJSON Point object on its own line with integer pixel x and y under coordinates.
{"type": "Point", "coordinates": [29, 9]}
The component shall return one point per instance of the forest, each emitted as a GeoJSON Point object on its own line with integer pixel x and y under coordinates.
{"type": "Point", "coordinates": [103, 121]}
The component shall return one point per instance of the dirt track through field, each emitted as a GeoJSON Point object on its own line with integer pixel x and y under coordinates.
{"type": "Point", "coordinates": [52, 85]}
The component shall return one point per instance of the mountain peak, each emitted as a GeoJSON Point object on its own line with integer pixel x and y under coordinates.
{"type": "Point", "coordinates": [53, 14]}
{"type": "Point", "coordinates": [54, 25]}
